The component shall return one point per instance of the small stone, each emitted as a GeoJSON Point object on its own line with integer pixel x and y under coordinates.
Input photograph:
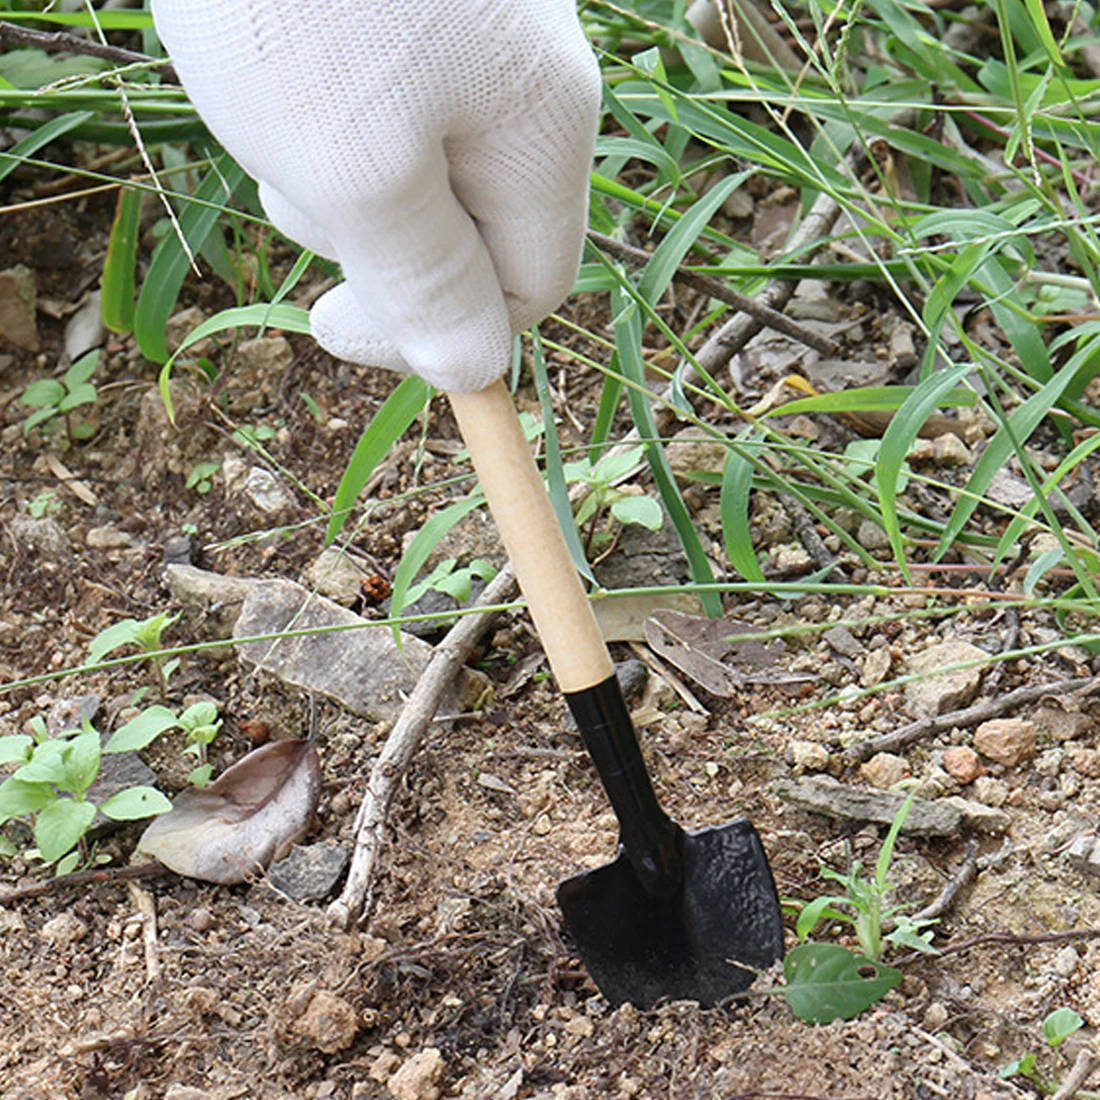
{"type": "Point", "coordinates": [876, 667]}
{"type": "Point", "coordinates": [43, 536]}
{"type": "Point", "coordinates": [990, 791]}
{"type": "Point", "coordinates": [419, 1077]}
{"type": "Point", "coordinates": [808, 755]}
{"type": "Point", "coordinates": [384, 1066]}
{"type": "Point", "coordinates": [18, 323]}
{"type": "Point", "coordinates": [935, 1016]}
{"type": "Point", "coordinates": [267, 355]}
{"type": "Point", "coordinates": [329, 1024]}
{"type": "Point", "coordinates": [962, 763]}
{"type": "Point", "coordinates": [939, 692]}
{"type": "Point", "coordinates": [337, 574]}
{"type": "Point", "coordinates": [792, 559]}
{"type": "Point", "coordinates": [63, 930]}
{"type": "Point", "coordinates": [1008, 741]}
{"type": "Point", "coordinates": [1065, 962]}
{"type": "Point", "coordinates": [1086, 762]}
{"type": "Point", "coordinates": [186, 1092]}
{"type": "Point", "coordinates": [107, 538]}
{"type": "Point", "coordinates": [978, 816]}
{"type": "Point", "coordinates": [201, 920]}
{"type": "Point", "coordinates": [263, 489]}
{"type": "Point", "coordinates": [841, 640]}
{"type": "Point", "coordinates": [1062, 725]}
{"type": "Point", "coordinates": [692, 449]}
{"type": "Point", "coordinates": [581, 1026]}
{"type": "Point", "coordinates": [885, 770]}
{"type": "Point", "coordinates": [310, 871]}
{"type": "Point", "coordinates": [950, 450]}
{"type": "Point", "coordinates": [871, 536]}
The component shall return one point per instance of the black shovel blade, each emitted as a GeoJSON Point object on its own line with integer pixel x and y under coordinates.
{"type": "Point", "coordinates": [705, 943]}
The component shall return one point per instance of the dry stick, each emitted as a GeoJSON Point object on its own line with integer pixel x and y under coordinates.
{"type": "Point", "coordinates": [716, 288]}
{"type": "Point", "coordinates": [60, 42]}
{"type": "Point", "coordinates": [82, 878]}
{"type": "Point", "coordinates": [954, 884]}
{"type": "Point", "coordinates": [968, 716]}
{"type": "Point", "coordinates": [356, 902]}
{"type": "Point", "coordinates": [1082, 1070]}
{"type": "Point", "coordinates": [145, 905]}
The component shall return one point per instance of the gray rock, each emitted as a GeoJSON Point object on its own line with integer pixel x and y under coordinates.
{"type": "Point", "coordinates": [362, 670]}
{"type": "Point", "coordinates": [40, 536]}
{"type": "Point", "coordinates": [221, 597]}
{"type": "Point", "coordinates": [980, 817]}
{"type": "Point", "coordinates": [1084, 854]}
{"type": "Point", "coordinates": [263, 489]}
{"type": "Point", "coordinates": [18, 322]}
{"type": "Point", "coordinates": [117, 771]}
{"type": "Point", "coordinates": [107, 538]}
{"type": "Point", "coordinates": [885, 770]}
{"type": "Point", "coordinates": [336, 573]}
{"type": "Point", "coordinates": [841, 640]}
{"type": "Point", "coordinates": [69, 712]}
{"type": "Point", "coordinates": [85, 329]}
{"type": "Point", "coordinates": [821, 794]}
{"type": "Point", "coordinates": [310, 871]}
{"type": "Point", "coordinates": [941, 692]}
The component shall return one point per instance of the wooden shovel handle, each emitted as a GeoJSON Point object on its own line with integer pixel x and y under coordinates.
{"type": "Point", "coordinates": [529, 529]}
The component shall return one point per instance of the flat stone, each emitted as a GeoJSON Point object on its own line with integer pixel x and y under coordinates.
{"type": "Point", "coordinates": [1062, 725]}
{"type": "Point", "coordinates": [980, 817]}
{"type": "Point", "coordinates": [265, 491]}
{"type": "Point", "coordinates": [1084, 854]}
{"type": "Point", "coordinates": [841, 640]}
{"type": "Point", "coordinates": [107, 538]}
{"type": "Point", "coordinates": [310, 871]}
{"type": "Point", "coordinates": [336, 573]}
{"type": "Point", "coordinates": [821, 794]}
{"type": "Point", "coordinates": [876, 667]}
{"type": "Point", "coordinates": [991, 791]}
{"type": "Point", "coordinates": [808, 755]}
{"type": "Point", "coordinates": [362, 670]}
{"type": "Point", "coordinates": [962, 763]}
{"type": "Point", "coordinates": [1008, 741]}
{"type": "Point", "coordinates": [692, 449]}
{"type": "Point", "coordinates": [941, 692]}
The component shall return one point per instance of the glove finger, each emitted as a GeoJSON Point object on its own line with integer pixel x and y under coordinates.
{"type": "Point", "coordinates": [292, 223]}
{"type": "Point", "coordinates": [526, 185]}
{"type": "Point", "coordinates": [343, 330]}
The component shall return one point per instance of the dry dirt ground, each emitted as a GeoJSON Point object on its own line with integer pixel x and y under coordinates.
{"type": "Point", "coordinates": [464, 983]}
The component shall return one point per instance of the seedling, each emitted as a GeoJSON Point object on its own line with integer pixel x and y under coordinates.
{"type": "Point", "coordinates": [44, 504]}
{"type": "Point", "coordinates": [625, 505]}
{"type": "Point", "coordinates": [143, 633]}
{"type": "Point", "coordinates": [201, 723]}
{"type": "Point", "coordinates": [453, 582]}
{"type": "Point", "coordinates": [825, 981]}
{"type": "Point", "coordinates": [52, 398]}
{"type": "Point", "coordinates": [50, 787]}
{"type": "Point", "coordinates": [201, 477]}
{"type": "Point", "coordinates": [1057, 1028]}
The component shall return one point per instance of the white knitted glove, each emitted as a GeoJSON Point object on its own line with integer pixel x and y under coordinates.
{"type": "Point", "coordinates": [438, 149]}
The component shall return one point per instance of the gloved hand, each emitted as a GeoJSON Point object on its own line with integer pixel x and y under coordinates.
{"type": "Point", "coordinates": [438, 149]}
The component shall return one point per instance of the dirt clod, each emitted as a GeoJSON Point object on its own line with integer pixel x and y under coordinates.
{"type": "Point", "coordinates": [419, 1077]}
{"type": "Point", "coordinates": [329, 1023]}
{"type": "Point", "coordinates": [962, 763]}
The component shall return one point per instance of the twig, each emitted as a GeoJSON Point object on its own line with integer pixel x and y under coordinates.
{"type": "Point", "coordinates": [952, 887]}
{"type": "Point", "coordinates": [806, 530]}
{"type": "Point", "coordinates": [968, 716]}
{"type": "Point", "coordinates": [82, 878]}
{"type": "Point", "coordinates": [1082, 1070]}
{"type": "Point", "coordinates": [356, 902]}
{"type": "Point", "coordinates": [60, 42]}
{"type": "Point", "coordinates": [1013, 940]}
{"type": "Point", "coordinates": [146, 906]}
{"type": "Point", "coordinates": [708, 284]}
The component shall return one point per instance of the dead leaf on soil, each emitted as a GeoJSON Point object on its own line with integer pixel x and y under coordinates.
{"type": "Point", "coordinates": [701, 649]}
{"type": "Point", "coordinates": [247, 818]}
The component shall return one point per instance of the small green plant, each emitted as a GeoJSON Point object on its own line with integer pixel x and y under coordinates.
{"type": "Point", "coordinates": [625, 505]}
{"type": "Point", "coordinates": [201, 477]}
{"type": "Point", "coordinates": [146, 635]}
{"type": "Point", "coordinates": [50, 788]}
{"type": "Point", "coordinates": [201, 723]}
{"type": "Point", "coordinates": [1057, 1028]}
{"type": "Point", "coordinates": [254, 435]}
{"type": "Point", "coordinates": [825, 981]}
{"type": "Point", "coordinates": [452, 581]}
{"type": "Point", "coordinates": [44, 504]}
{"type": "Point", "coordinates": [52, 398]}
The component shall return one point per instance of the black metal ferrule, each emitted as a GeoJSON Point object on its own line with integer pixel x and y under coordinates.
{"type": "Point", "coordinates": [652, 841]}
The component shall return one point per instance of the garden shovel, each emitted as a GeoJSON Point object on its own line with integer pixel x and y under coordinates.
{"type": "Point", "coordinates": [676, 915]}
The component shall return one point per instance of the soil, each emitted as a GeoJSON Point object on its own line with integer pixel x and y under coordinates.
{"type": "Point", "coordinates": [464, 982]}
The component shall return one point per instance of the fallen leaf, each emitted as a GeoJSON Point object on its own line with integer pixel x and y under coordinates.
{"type": "Point", "coordinates": [248, 817]}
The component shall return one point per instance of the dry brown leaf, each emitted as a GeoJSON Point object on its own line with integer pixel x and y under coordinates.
{"type": "Point", "coordinates": [245, 820]}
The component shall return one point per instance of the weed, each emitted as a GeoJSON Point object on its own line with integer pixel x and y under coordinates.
{"type": "Point", "coordinates": [52, 398]}
{"type": "Point", "coordinates": [201, 723]}
{"type": "Point", "coordinates": [452, 581]}
{"type": "Point", "coordinates": [1057, 1028]}
{"type": "Point", "coordinates": [146, 635]}
{"type": "Point", "coordinates": [44, 504]}
{"type": "Point", "coordinates": [602, 479]}
{"type": "Point", "coordinates": [201, 477]}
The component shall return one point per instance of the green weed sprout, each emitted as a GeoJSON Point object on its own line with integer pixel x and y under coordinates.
{"type": "Point", "coordinates": [51, 398]}
{"type": "Point", "coordinates": [1057, 1028]}
{"type": "Point", "coordinates": [201, 477]}
{"type": "Point", "coordinates": [626, 506]}
{"type": "Point", "coordinates": [146, 635]}
{"type": "Point", "coordinates": [201, 723]}
{"type": "Point", "coordinates": [451, 581]}
{"type": "Point", "coordinates": [50, 787]}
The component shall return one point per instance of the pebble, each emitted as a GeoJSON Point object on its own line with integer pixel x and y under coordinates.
{"type": "Point", "coordinates": [808, 755]}
{"type": "Point", "coordinates": [885, 770]}
{"type": "Point", "coordinates": [1065, 962]}
{"type": "Point", "coordinates": [419, 1077]}
{"type": "Point", "coordinates": [876, 667]}
{"type": "Point", "coordinates": [939, 694]}
{"type": "Point", "coordinates": [1008, 741]}
{"type": "Point", "coordinates": [107, 538]}
{"type": "Point", "coordinates": [63, 930]}
{"type": "Point", "coordinates": [263, 489]}
{"type": "Point", "coordinates": [186, 1092]}
{"type": "Point", "coordinates": [201, 920]}
{"type": "Point", "coordinates": [990, 791]}
{"type": "Point", "coordinates": [962, 763]}
{"type": "Point", "coordinates": [1086, 762]}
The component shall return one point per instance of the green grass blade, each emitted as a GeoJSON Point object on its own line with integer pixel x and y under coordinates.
{"type": "Point", "coordinates": [50, 131]}
{"type": "Point", "coordinates": [387, 425]}
{"type": "Point", "coordinates": [737, 477]}
{"type": "Point", "coordinates": [170, 263]}
{"type": "Point", "coordinates": [117, 286]}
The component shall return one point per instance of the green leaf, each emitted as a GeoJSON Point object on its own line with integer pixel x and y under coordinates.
{"type": "Point", "coordinates": [135, 803]}
{"type": "Point", "coordinates": [147, 632]}
{"type": "Point", "coordinates": [737, 476]}
{"type": "Point", "coordinates": [1060, 1025]}
{"type": "Point", "coordinates": [117, 284]}
{"type": "Point", "coordinates": [13, 748]}
{"type": "Point", "coordinates": [43, 394]}
{"type": "Point", "coordinates": [202, 713]}
{"type": "Point", "coordinates": [142, 730]}
{"type": "Point", "coordinates": [170, 263]}
{"type": "Point", "coordinates": [644, 511]}
{"type": "Point", "coordinates": [46, 765]}
{"type": "Point", "coordinates": [113, 637]}
{"type": "Point", "coordinates": [51, 131]}
{"type": "Point", "coordinates": [82, 370]}
{"type": "Point", "coordinates": [826, 982]}
{"type": "Point", "coordinates": [84, 394]}
{"type": "Point", "coordinates": [813, 912]}
{"type": "Point", "coordinates": [387, 426]}
{"type": "Point", "coordinates": [897, 441]}
{"type": "Point", "coordinates": [60, 825]}
{"type": "Point", "coordinates": [81, 759]}
{"type": "Point", "coordinates": [867, 399]}
{"type": "Point", "coordinates": [18, 797]}
{"type": "Point", "coordinates": [67, 864]}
